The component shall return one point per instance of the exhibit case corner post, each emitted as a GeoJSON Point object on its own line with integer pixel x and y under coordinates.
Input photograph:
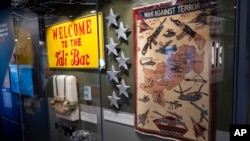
{"type": "Point", "coordinates": [241, 96]}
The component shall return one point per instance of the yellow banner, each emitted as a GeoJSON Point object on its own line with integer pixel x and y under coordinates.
{"type": "Point", "coordinates": [76, 44]}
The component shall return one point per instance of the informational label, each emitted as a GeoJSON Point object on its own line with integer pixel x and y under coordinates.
{"type": "Point", "coordinates": [92, 118]}
{"type": "Point", "coordinates": [87, 93]}
{"type": "Point", "coordinates": [6, 44]}
{"type": "Point", "coordinates": [121, 117]}
{"type": "Point", "coordinates": [76, 44]}
{"type": "Point", "coordinates": [3, 31]}
{"type": "Point", "coordinates": [7, 103]}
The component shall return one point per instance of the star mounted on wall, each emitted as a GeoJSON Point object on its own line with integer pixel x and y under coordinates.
{"type": "Point", "coordinates": [112, 74]}
{"type": "Point", "coordinates": [112, 47]}
{"type": "Point", "coordinates": [123, 88]}
{"type": "Point", "coordinates": [111, 18]}
{"type": "Point", "coordinates": [122, 61]}
{"type": "Point", "coordinates": [113, 100]}
{"type": "Point", "coordinates": [121, 31]}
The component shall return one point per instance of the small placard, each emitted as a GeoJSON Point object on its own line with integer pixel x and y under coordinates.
{"type": "Point", "coordinates": [92, 118]}
{"type": "Point", "coordinates": [7, 102]}
{"type": "Point", "coordinates": [119, 117]}
{"type": "Point", "coordinates": [87, 93]}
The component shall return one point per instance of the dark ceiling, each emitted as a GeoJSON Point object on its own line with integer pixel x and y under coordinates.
{"type": "Point", "coordinates": [4, 4]}
{"type": "Point", "coordinates": [48, 6]}
{"type": "Point", "coordinates": [43, 7]}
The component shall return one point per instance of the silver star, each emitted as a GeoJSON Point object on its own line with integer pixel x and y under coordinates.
{"type": "Point", "coordinates": [112, 74]}
{"type": "Point", "coordinates": [111, 47]}
{"type": "Point", "coordinates": [121, 32]}
{"type": "Point", "coordinates": [122, 88]}
{"type": "Point", "coordinates": [122, 61]}
{"type": "Point", "coordinates": [111, 18]}
{"type": "Point", "coordinates": [113, 100]}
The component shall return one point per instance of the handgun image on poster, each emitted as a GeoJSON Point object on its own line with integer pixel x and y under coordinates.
{"type": "Point", "coordinates": [65, 101]}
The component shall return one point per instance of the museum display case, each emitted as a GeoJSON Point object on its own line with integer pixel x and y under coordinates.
{"type": "Point", "coordinates": [106, 70]}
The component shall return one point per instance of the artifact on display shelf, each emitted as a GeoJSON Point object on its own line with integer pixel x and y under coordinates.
{"type": "Point", "coordinates": [76, 43]}
{"type": "Point", "coordinates": [82, 135]}
{"type": "Point", "coordinates": [172, 71]}
{"type": "Point", "coordinates": [65, 100]}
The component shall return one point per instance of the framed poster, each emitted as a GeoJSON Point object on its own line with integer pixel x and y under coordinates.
{"type": "Point", "coordinates": [172, 85]}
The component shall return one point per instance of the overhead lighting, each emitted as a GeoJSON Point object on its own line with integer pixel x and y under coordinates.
{"type": "Point", "coordinates": [93, 11]}
{"type": "Point", "coordinates": [28, 36]}
{"type": "Point", "coordinates": [88, 2]}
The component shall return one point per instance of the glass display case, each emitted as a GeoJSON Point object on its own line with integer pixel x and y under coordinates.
{"type": "Point", "coordinates": [106, 70]}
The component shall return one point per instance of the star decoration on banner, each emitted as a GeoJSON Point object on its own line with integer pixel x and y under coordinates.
{"type": "Point", "coordinates": [112, 74]}
{"type": "Point", "coordinates": [111, 18]}
{"type": "Point", "coordinates": [121, 32]}
{"type": "Point", "coordinates": [112, 47]}
{"type": "Point", "coordinates": [123, 88]}
{"type": "Point", "coordinates": [113, 100]}
{"type": "Point", "coordinates": [122, 61]}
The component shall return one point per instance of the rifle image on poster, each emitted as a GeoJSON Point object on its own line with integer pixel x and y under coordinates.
{"type": "Point", "coordinates": [151, 38]}
{"type": "Point", "coordinates": [186, 30]}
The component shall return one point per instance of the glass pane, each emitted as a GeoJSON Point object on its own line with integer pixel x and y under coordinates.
{"type": "Point", "coordinates": [121, 68]}
{"type": "Point", "coordinates": [73, 48]}
{"type": "Point", "coordinates": [224, 87]}
{"type": "Point", "coordinates": [25, 75]}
